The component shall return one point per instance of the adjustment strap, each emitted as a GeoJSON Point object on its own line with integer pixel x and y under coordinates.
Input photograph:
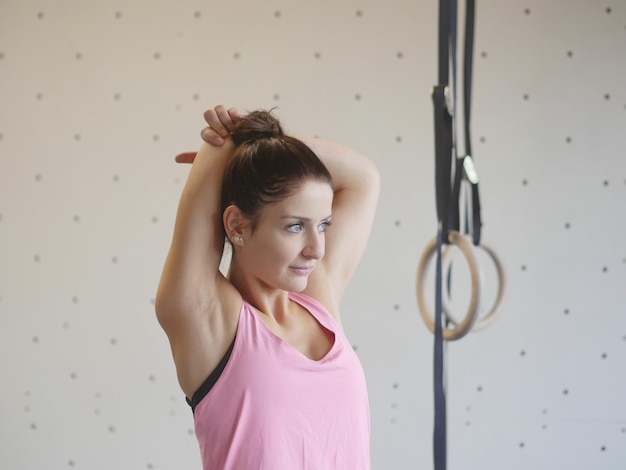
{"type": "Point", "coordinates": [467, 106]}
{"type": "Point", "coordinates": [454, 210]}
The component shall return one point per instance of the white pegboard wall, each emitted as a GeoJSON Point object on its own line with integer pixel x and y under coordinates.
{"type": "Point", "coordinates": [96, 100]}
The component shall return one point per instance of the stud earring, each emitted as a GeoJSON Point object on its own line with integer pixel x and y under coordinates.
{"type": "Point", "coordinates": [237, 238]}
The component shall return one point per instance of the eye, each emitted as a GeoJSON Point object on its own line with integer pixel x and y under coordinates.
{"type": "Point", "coordinates": [324, 226]}
{"type": "Point", "coordinates": [295, 228]}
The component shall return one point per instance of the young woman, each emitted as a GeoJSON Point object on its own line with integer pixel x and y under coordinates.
{"type": "Point", "coordinates": [260, 353]}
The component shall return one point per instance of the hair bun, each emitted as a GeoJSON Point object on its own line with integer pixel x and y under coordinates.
{"type": "Point", "coordinates": [256, 125]}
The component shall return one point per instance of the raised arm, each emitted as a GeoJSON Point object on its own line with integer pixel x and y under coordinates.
{"type": "Point", "coordinates": [195, 304]}
{"type": "Point", "coordinates": [356, 184]}
{"type": "Point", "coordinates": [189, 279]}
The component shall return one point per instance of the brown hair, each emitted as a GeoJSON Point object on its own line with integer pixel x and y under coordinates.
{"type": "Point", "coordinates": [267, 165]}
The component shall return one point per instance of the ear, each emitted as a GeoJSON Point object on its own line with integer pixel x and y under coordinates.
{"type": "Point", "coordinates": [234, 223]}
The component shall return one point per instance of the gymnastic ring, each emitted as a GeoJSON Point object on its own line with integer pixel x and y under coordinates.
{"type": "Point", "coordinates": [482, 322]}
{"type": "Point", "coordinates": [462, 328]}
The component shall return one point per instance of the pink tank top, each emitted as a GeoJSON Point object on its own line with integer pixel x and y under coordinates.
{"type": "Point", "coordinates": [273, 408]}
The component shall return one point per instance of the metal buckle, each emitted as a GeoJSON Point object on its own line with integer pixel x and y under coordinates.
{"type": "Point", "coordinates": [449, 101]}
{"type": "Point", "coordinates": [470, 169]}
{"type": "Point", "coordinates": [447, 96]}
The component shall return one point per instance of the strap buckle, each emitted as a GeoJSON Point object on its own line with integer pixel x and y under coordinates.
{"type": "Point", "coordinates": [447, 95]}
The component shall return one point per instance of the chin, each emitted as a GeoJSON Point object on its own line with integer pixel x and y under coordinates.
{"type": "Point", "coordinates": [295, 286]}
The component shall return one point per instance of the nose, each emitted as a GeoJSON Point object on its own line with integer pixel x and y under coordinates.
{"type": "Point", "coordinates": [315, 246]}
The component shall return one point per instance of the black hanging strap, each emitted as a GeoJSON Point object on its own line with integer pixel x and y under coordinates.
{"type": "Point", "coordinates": [440, 430]}
{"type": "Point", "coordinates": [449, 171]}
{"type": "Point", "coordinates": [443, 108]}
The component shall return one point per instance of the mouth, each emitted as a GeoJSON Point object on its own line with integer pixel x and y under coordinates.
{"type": "Point", "coordinates": [302, 271]}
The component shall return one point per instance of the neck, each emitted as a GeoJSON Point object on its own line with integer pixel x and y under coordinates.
{"type": "Point", "coordinates": [268, 300]}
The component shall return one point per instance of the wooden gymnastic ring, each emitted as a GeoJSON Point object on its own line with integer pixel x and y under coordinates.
{"type": "Point", "coordinates": [464, 326]}
{"type": "Point", "coordinates": [486, 320]}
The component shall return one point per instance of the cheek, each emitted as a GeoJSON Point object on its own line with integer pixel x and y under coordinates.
{"type": "Point", "coordinates": [283, 250]}
{"type": "Point", "coordinates": [273, 252]}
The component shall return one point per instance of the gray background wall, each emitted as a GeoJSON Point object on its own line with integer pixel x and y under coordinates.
{"type": "Point", "coordinates": [97, 98]}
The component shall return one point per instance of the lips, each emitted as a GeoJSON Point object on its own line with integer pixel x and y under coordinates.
{"type": "Point", "coordinates": [302, 271]}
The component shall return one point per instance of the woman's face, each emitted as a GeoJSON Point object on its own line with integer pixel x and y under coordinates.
{"type": "Point", "coordinates": [289, 239]}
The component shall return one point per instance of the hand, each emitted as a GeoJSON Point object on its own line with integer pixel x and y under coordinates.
{"type": "Point", "coordinates": [220, 125]}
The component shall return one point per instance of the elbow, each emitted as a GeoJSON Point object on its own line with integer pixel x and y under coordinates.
{"type": "Point", "coordinates": [161, 308]}
{"type": "Point", "coordinates": [371, 178]}
{"type": "Point", "coordinates": [166, 307]}
{"type": "Point", "coordinates": [367, 169]}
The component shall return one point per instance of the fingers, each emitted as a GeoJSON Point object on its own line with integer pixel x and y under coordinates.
{"type": "Point", "coordinates": [234, 112]}
{"type": "Point", "coordinates": [186, 157]}
{"type": "Point", "coordinates": [214, 121]}
{"type": "Point", "coordinates": [209, 135]}
{"type": "Point", "coordinates": [221, 124]}
{"type": "Point", "coordinates": [220, 119]}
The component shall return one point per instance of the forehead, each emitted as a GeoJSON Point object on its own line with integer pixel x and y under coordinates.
{"type": "Point", "coordinates": [312, 199]}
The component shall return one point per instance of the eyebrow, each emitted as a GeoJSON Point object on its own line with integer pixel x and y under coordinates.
{"type": "Point", "coordinates": [304, 219]}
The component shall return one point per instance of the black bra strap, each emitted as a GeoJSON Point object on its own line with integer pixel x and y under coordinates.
{"type": "Point", "coordinates": [208, 384]}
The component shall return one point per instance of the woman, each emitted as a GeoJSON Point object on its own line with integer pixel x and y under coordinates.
{"type": "Point", "coordinates": [260, 353]}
